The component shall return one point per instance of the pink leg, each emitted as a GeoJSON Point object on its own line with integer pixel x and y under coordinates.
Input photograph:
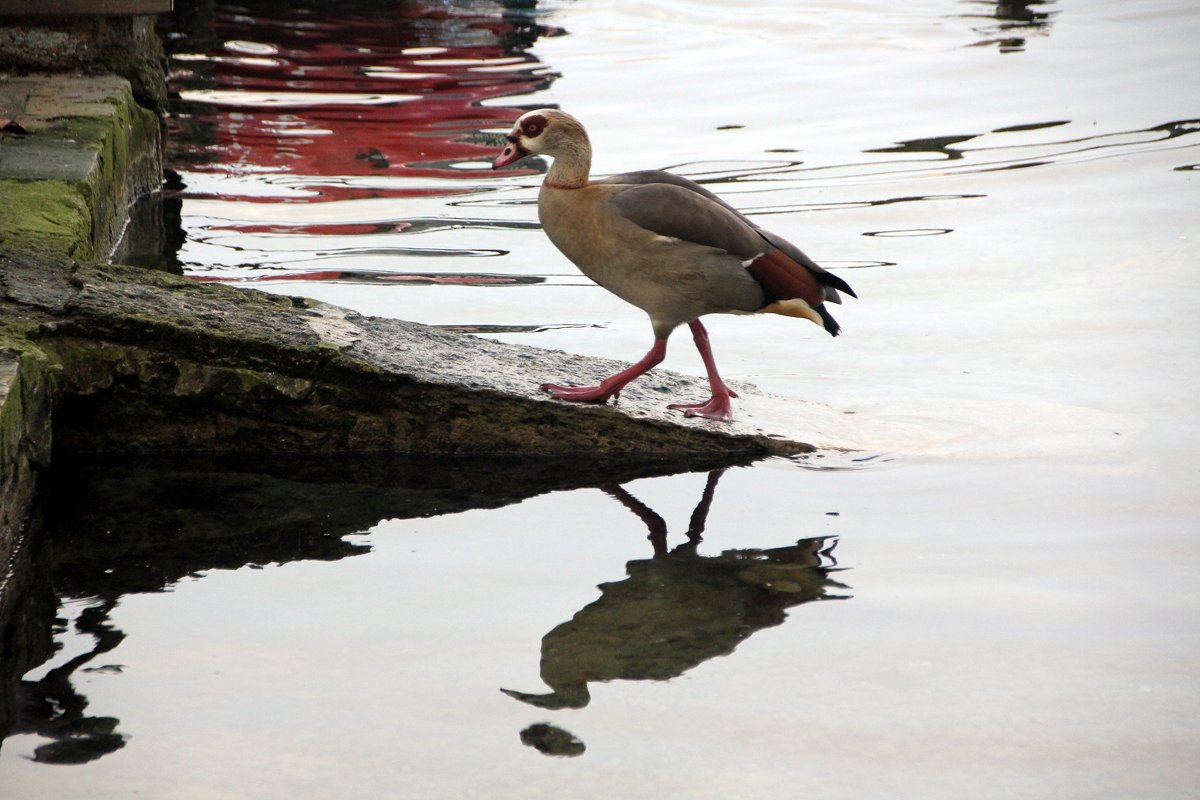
{"type": "Point", "coordinates": [611, 386]}
{"type": "Point", "coordinates": [718, 406]}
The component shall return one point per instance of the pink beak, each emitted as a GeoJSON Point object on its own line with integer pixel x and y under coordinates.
{"type": "Point", "coordinates": [511, 152]}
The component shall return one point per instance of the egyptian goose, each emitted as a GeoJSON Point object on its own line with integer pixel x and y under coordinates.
{"type": "Point", "coordinates": [668, 246]}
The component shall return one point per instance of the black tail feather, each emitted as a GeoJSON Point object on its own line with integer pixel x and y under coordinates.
{"type": "Point", "coordinates": [829, 279]}
{"type": "Point", "coordinates": [831, 324]}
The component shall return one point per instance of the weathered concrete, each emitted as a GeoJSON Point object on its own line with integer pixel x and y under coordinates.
{"type": "Point", "coordinates": [53, 42]}
{"type": "Point", "coordinates": [89, 152]}
{"type": "Point", "coordinates": [154, 363]}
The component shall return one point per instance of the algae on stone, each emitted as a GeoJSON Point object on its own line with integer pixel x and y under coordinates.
{"type": "Point", "coordinates": [67, 186]}
{"type": "Point", "coordinates": [47, 218]}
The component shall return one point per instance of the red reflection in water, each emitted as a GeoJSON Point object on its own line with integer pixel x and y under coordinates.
{"type": "Point", "coordinates": [361, 89]}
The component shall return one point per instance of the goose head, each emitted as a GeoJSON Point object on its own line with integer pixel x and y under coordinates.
{"type": "Point", "coordinates": [546, 131]}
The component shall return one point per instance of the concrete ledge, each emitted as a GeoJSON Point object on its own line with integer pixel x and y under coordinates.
{"type": "Point", "coordinates": [89, 152]}
{"type": "Point", "coordinates": [155, 363]}
{"type": "Point", "coordinates": [39, 37]}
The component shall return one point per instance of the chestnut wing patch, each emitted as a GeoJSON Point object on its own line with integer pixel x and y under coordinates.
{"type": "Point", "coordinates": [784, 279]}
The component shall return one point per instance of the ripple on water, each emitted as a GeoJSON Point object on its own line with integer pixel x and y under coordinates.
{"type": "Point", "coordinates": [326, 149]}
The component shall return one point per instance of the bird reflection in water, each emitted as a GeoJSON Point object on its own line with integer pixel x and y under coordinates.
{"type": "Point", "coordinates": [673, 612]}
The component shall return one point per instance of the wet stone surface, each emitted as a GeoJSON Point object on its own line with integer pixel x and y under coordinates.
{"type": "Point", "coordinates": [84, 151]}
{"type": "Point", "coordinates": [152, 362]}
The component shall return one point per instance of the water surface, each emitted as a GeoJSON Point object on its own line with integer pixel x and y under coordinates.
{"type": "Point", "coordinates": [984, 587]}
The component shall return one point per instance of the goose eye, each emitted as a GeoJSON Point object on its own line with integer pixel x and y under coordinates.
{"type": "Point", "coordinates": [533, 126]}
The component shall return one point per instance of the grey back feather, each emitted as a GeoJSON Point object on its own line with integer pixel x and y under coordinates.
{"type": "Point", "coordinates": [651, 211]}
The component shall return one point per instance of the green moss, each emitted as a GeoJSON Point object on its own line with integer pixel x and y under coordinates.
{"type": "Point", "coordinates": [77, 210]}
{"type": "Point", "coordinates": [12, 419]}
{"type": "Point", "coordinates": [47, 218]}
{"type": "Point", "coordinates": [32, 382]}
{"type": "Point", "coordinates": [112, 137]}
{"type": "Point", "coordinates": [89, 132]}
{"type": "Point", "coordinates": [16, 334]}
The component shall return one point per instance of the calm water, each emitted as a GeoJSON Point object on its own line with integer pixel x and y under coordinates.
{"type": "Point", "coordinates": [988, 591]}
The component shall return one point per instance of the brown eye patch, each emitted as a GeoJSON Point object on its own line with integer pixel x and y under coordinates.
{"type": "Point", "coordinates": [533, 126]}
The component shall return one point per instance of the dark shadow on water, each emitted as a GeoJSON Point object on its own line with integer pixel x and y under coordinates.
{"type": "Point", "coordinates": [675, 610]}
{"type": "Point", "coordinates": [52, 708]}
{"type": "Point", "coordinates": [1007, 24]}
{"type": "Point", "coordinates": [942, 145]}
{"type": "Point", "coordinates": [106, 529]}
